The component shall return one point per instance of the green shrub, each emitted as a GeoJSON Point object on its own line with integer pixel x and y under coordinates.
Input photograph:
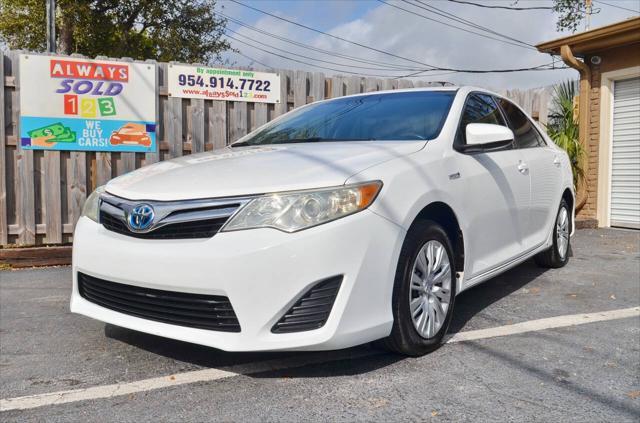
{"type": "Point", "coordinates": [563, 128]}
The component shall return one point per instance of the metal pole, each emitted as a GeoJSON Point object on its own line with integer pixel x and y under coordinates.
{"type": "Point", "coordinates": [588, 12]}
{"type": "Point", "coordinates": [51, 26]}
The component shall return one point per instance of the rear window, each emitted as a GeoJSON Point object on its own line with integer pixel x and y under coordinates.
{"type": "Point", "coordinates": [393, 116]}
{"type": "Point", "coordinates": [526, 134]}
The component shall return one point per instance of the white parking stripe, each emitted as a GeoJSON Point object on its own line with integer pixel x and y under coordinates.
{"type": "Point", "coordinates": [542, 324]}
{"type": "Point", "coordinates": [119, 389]}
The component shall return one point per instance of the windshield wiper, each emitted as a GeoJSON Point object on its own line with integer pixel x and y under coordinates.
{"type": "Point", "coordinates": [301, 140]}
{"type": "Point", "coordinates": [287, 141]}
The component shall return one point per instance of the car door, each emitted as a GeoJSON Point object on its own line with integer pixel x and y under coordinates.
{"type": "Point", "coordinates": [544, 167]}
{"type": "Point", "coordinates": [494, 191]}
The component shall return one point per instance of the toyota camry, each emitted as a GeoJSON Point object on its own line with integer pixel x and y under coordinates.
{"type": "Point", "coordinates": [342, 222]}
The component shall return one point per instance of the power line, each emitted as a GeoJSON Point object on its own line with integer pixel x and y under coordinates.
{"type": "Point", "coordinates": [415, 74]}
{"type": "Point", "coordinates": [618, 7]}
{"type": "Point", "coordinates": [330, 35]}
{"type": "Point", "coordinates": [454, 26]}
{"type": "Point", "coordinates": [421, 75]}
{"type": "Point", "coordinates": [307, 63]}
{"type": "Point", "coordinates": [418, 72]}
{"type": "Point", "coordinates": [310, 47]}
{"type": "Point", "coordinates": [309, 57]}
{"type": "Point", "coordinates": [432, 67]}
{"type": "Point", "coordinates": [422, 71]}
{"type": "Point", "coordinates": [466, 21]}
{"type": "Point", "coordinates": [534, 68]}
{"type": "Point", "coordinates": [488, 6]}
{"type": "Point", "coordinates": [253, 60]}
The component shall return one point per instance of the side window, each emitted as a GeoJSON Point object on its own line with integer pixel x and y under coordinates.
{"type": "Point", "coordinates": [526, 134]}
{"type": "Point", "coordinates": [479, 108]}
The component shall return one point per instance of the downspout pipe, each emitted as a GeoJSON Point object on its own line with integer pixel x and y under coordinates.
{"type": "Point", "coordinates": [584, 118]}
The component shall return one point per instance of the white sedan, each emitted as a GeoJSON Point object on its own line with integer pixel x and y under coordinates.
{"type": "Point", "coordinates": [342, 222]}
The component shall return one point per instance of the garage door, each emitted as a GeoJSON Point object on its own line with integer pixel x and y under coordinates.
{"type": "Point", "coordinates": [625, 156]}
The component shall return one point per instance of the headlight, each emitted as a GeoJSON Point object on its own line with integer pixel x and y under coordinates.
{"type": "Point", "coordinates": [90, 208]}
{"type": "Point", "coordinates": [297, 210]}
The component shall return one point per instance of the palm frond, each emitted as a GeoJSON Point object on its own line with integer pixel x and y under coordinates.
{"type": "Point", "coordinates": [563, 128]}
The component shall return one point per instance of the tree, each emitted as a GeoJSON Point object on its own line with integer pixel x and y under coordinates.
{"type": "Point", "coordinates": [571, 13]}
{"type": "Point", "coordinates": [180, 30]}
{"type": "Point", "coordinates": [563, 126]}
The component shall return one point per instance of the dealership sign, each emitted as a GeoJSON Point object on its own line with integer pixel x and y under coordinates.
{"type": "Point", "coordinates": [71, 103]}
{"type": "Point", "coordinates": [223, 84]}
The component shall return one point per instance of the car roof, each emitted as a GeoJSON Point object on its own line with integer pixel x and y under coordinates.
{"type": "Point", "coordinates": [451, 88]}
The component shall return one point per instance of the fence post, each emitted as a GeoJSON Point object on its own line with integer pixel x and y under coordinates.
{"type": "Point", "coordinates": [195, 125]}
{"type": "Point", "coordinates": [4, 226]}
{"type": "Point", "coordinates": [218, 124]}
{"type": "Point", "coordinates": [174, 125]}
{"type": "Point", "coordinates": [389, 84]}
{"type": "Point", "coordinates": [543, 110]}
{"type": "Point", "coordinates": [154, 156]}
{"type": "Point", "coordinates": [24, 166]}
{"type": "Point", "coordinates": [261, 115]}
{"type": "Point", "coordinates": [300, 89]}
{"type": "Point", "coordinates": [127, 160]}
{"type": "Point", "coordinates": [405, 83]}
{"type": "Point", "coordinates": [283, 107]}
{"type": "Point", "coordinates": [337, 86]}
{"type": "Point", "coordinates": [53, 197]}
{"type": "Point", "coordinates": [238, 127]}
{"type": "Point", "coordinates": [371, 85]}
{"type": "Point", "coordinates": [77, 179]}
{"type": "Point", "coordinates": [354, 85]}
{"type": "Point", "coordinates": [317, 86]}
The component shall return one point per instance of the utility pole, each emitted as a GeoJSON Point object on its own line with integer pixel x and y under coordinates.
{"type": "Point", "coordinates": [588, 9]}
{"type": "Point", "coordinates": [51, 26]}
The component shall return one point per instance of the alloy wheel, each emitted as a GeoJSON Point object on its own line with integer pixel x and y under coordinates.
{"type": "Point", "coordinates": [430, 293]}
{"type": "Point", "coordinates": [562, 232]}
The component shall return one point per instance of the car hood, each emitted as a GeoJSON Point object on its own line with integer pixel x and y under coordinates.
{"type": "Point", "coordinates": [254, 170]}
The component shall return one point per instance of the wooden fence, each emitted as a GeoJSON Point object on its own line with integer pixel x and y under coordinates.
{"type": "Point", "coordinates": [42, 192]}
{"type": "Point", "coordinates": [536, 101]}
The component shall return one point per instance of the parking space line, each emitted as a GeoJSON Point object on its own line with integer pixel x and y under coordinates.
{"type": "Point", "coordinates": [207, 375]}
{"type": "Point", "coordinates": [542, 324]}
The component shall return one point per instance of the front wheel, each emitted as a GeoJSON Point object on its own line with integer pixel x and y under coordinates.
{"type": "Point", "coordinates": [558, 254]}
{"type": "Point", "coordinates": [424, 291]}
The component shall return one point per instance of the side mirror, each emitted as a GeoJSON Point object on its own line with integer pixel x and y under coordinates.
{"type": "Point", "coordinates": [486, 137]}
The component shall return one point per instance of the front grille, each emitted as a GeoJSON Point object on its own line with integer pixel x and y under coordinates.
{"type": "Point", "coordinates": [183, 230]}
{"type": "Point", "coordinates": [188, 219]}
{"type": "Point", "coordinates": [312, 310]}
{"type": "Point", "coordinates": [211, 312]}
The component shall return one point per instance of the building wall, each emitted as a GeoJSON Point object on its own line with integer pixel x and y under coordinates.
{"type": "Point", "coordinates": [612, 59]}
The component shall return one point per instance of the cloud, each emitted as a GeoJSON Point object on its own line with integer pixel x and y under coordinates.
{"type": "Point", "coordinates": [407, 35]}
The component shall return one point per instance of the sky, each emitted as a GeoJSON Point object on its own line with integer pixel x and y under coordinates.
{"type": "Point", "coordinates": [404, 35]}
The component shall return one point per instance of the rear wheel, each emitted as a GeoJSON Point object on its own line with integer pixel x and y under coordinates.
{"type": "Point", "coordinates": [424, 291]}
{"type": "Point", "coordinates": [558, 254]}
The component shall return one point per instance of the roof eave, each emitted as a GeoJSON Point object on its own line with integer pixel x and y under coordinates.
{"type": "Point", "coordinates": [614, 35]}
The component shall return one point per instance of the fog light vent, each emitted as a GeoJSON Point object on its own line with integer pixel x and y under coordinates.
{"type": "Point", "coordinates": [312, 310]}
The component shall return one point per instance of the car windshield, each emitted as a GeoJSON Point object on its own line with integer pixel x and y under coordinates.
{"type": "Point", "coordinates": [401, 116]}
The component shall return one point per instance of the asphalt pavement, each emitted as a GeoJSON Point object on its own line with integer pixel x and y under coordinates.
{"type": "Point", "coordinates": [581, 372]}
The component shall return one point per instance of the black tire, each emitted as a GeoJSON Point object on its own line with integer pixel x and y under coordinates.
{"type": "Point", "coordinates": [404, 337]}
{"type": "Point", "coordinates": [552, 257]}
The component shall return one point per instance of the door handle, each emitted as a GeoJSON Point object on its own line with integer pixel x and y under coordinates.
{"type": "Point", "coordinates": [523, 167]}
{"type": "Point", "coordinates": [557, 161]}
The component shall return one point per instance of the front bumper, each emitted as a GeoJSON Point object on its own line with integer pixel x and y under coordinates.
{"type": "Point", "coordinates": [262, 272]}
